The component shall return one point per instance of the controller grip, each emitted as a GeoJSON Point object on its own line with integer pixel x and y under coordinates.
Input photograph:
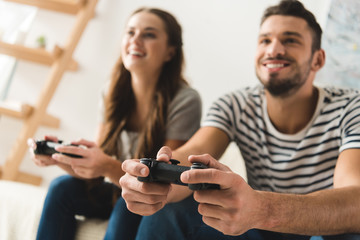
{"type": "Point", "coordinates": [202, 186]}
{"type": "Point", "coordinates": [170, 173]}
{"type": "Point", "coordinates": [163, 172]}
{"type": "Point", "coordinates": [48, 148]}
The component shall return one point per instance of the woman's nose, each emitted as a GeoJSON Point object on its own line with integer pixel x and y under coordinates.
{"type": "Point", "coordinates": [135, 39]}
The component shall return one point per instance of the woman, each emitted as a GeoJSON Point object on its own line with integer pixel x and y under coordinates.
{"type": "Point", "coordinates": [148, 104]}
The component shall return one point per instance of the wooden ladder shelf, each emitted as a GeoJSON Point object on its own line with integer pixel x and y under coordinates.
{"type": "Point", "coordinates": [59, 61]}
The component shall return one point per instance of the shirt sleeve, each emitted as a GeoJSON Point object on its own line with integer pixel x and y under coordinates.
{"type": "Point", "coordinates": [220, 115]}
{"type": "Point", "coordinates": [184, 114]}
{"type": "Point", "coordinates": [350, 125]}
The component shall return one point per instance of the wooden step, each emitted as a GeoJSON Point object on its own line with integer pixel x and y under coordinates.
{"type": "Point", "coordinates": [37, 55]}
{"type": "Point", "coordinates": [64, 6]}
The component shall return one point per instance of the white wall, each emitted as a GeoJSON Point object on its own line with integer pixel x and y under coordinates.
{"type": "Point", "coordinates": [219, 44]}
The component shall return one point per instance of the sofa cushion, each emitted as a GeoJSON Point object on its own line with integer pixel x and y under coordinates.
{"type": "Point", "coordinates": [20, 207]}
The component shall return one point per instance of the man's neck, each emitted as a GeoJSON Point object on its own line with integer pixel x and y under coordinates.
{"type": "Point", "coordinates": [291, 114]}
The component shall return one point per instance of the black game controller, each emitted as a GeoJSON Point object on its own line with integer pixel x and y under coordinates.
{"type": "Point", "coordinates": [170, 173]}
{"type": "Point", "coordinates": [48, 148]}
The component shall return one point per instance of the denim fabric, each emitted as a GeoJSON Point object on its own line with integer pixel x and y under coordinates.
{"type": "Point", "coordinates": [181, 221]}
{"type": "Point", "coordinates": [338, 237]}
{"type": "Point", "coordinates": [123, 224]}
{"type": "Point", "coordinates": [68, 196]}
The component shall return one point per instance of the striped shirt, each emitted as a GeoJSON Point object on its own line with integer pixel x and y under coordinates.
{"type": "Point", "coordinates": [298, 163]}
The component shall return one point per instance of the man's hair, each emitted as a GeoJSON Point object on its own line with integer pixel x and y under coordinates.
{"type": "Point", "coordinates": [295, 8]}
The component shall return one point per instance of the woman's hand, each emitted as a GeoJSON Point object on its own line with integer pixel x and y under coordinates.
{"type": "Point", "coordinates": [93, 162]}
{"type": "Point", "coordinates": [41, 160]}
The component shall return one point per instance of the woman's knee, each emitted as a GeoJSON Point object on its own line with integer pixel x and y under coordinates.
{"type": "Point", "coordinates": [64, 185]}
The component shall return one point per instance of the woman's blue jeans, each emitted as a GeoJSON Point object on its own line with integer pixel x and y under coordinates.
{"type": "Point", "coordinates": [68, 196]}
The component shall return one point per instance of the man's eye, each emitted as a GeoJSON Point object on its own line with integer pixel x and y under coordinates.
{"type": "Point", "coordinates": [290, 40]}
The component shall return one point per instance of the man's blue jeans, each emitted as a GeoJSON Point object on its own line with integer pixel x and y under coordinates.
{"type": "Point", "coordinates": [68, 196]}
{"type": "Point", "coordinates": [181, 221]}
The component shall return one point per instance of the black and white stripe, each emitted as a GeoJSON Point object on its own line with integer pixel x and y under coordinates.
{"type": "Point", "coordinates": [299, 163]}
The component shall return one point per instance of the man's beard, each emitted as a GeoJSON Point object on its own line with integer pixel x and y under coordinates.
{"type": "Point", "coordinates": [284, 87]}
{"type": "Point", "coordinates": [287, 86]}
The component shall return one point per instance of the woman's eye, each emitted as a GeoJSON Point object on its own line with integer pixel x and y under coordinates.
{"type": "Point", "coordinates": [264, 41]}
{"type": "Point", "coordinates": [149, 35]}
{"type": "Point", "coordinates": [130, 33]}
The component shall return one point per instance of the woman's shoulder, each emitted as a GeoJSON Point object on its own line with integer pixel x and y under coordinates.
{"type": "Point", "coordinates": [186, 92]}
{"type": "Point", "coordinates": [186, 97]}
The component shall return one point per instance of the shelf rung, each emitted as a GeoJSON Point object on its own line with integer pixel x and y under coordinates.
{"type": "Point", "coordinates": [15, 110]}
{"type": "Point", "coordinates": [23, 111]}
{"type": "Point", "coordinates": [64, 6]}
{"type": "Point", "coordinates": [37, 55]}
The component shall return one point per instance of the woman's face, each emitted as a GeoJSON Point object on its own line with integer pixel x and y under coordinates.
{"type": "Point", "coordinates": [145, 44]}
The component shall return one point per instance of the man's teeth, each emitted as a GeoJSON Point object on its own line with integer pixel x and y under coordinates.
{"type": "Point", "coordinates": [274, 65]}
{"type": "Point", "coordinates": [136, 53]}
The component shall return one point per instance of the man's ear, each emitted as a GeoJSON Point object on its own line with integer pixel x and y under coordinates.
{"type": "Point", "coordinates": [318, 60]}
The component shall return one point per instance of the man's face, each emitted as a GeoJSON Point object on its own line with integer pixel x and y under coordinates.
{"type": "Point", "coordinates": [283, 56]}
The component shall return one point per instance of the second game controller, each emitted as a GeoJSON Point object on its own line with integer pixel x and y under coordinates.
{"type": "Point", "coordinates": [48, 148]}
{"type": "Point", "coordinates": [170, 173]}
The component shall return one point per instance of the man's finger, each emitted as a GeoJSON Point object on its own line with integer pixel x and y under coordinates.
{"type": "Point", "coordinates": [164, 154]}
{"type": "Point", "coordinates": [210, 175]}
{"type": "Point", "coordinates": [209, 161]}
{"type": "Point", "coordinates": [135, 168]}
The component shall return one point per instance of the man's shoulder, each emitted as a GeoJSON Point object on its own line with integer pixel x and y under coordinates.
{"type": "Point", "coordinates": [339, 91]}
{"type": "Point", "coordinates": [333, 94]}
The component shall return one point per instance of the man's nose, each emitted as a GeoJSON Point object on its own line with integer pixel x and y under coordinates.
{"type": "Point", "coordinates": [274, 49]}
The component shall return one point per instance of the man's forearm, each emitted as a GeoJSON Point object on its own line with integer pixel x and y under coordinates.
{"type": "Point", "coordinates": [326, 212]}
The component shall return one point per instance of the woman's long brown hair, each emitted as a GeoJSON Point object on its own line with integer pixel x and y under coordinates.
{"type": "Point", "coordinates": [120, 100]}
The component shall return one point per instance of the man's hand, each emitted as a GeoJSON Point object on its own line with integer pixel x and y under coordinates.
{"type": "Point", "coordinates": [233, 209]}
{"type": "Point", "coordinates": [142, 197]}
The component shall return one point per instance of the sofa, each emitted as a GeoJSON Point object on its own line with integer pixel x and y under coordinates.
{"type": "Point", "coordinates": [20, 210]}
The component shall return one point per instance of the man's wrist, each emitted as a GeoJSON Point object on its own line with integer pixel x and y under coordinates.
{"type": "Point", "coordinates": [268, 215]}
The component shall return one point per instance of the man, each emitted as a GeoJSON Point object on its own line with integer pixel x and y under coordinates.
{"type": "Point", "coordinates": [300, 143]}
